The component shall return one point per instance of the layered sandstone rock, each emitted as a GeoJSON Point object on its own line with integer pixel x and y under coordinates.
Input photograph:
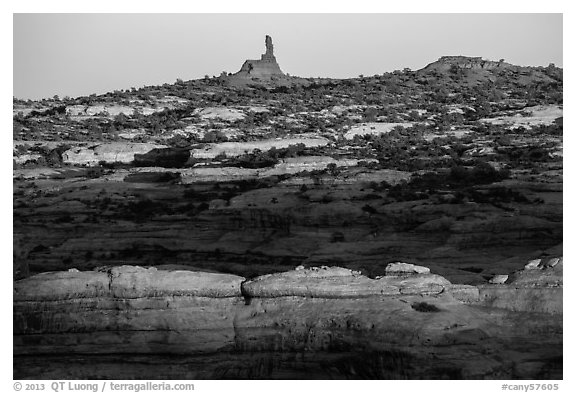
{"type": "Point", "coordinates": [327, 322]}
{"type": "Point", "coordinates": [125, 310]}
{"type": "Point", "coordinates": [336, 282]}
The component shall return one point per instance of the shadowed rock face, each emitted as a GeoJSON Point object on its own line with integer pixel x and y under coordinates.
{"type": "Point", "coordinates": [166, 158]}
{"type": "Point", "coordinates": [264, 68]}
{"type": "Point", "coordinates": [132, 322]}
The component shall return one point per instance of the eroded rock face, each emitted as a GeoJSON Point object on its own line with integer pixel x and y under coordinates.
{"type": "Point", "coordinates": [537, 287]}
{"type": "Point", "coordinates": [326, 322]}
{"type": "Point", "coordinates": [125, 310]}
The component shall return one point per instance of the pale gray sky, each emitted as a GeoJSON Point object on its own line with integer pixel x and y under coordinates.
{"type": "Point", "coordinates": [80, 54]}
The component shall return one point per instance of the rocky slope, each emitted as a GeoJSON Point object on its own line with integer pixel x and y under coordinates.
{"type": "Point", "coordinates": [248, 224]}
{"type": "Point", "coordinates": [132, 322]}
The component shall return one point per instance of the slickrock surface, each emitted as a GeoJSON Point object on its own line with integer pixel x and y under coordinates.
{"type": "Point", "coordinates": [531, 117]}
{"type": "Point", "coordinates": [129, 282]}
{"type": "Point", "coordinates": [108, 152]}
{"type": "Point", "coordinates": [137, 282]}
{"type": "Point", "coordinates": [404, 269]}
{"type": "Point", "coordinates": [321, 322]}
{"type": "Point", "coordinates": [54, 286]}
{"type": "Point", "coordinates": [327, 282]}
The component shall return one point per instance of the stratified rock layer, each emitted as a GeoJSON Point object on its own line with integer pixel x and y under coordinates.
{"type": "Point", "coordinates": [536, 288]}
{"type": "Point", "coordinates": [127, 322]}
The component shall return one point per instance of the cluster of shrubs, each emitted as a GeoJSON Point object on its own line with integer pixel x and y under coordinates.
{"type": "Point", "coordinates": [459, 177]}
{"type": "Point", "coordinates": [264, 159]}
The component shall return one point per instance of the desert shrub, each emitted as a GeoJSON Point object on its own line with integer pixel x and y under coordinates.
{"type": "Point", "coordinates": [94, 172]}
{"type": "Point", "coordinates": [458, 178]}
{"type": "Point", "coordinates": [214, 136]}
{"type": "Point", "coordinates": [292, 151]}
{"type": "Point", "coordinates": [481, 173]}
{"type": "Point", "coordinates": [220, 157]}
{"type": "Point", "coordinates": [333, 169]}
{"type": "Point", "coordinates": [256, 159]}
{"type": "Point", "coordinates": [496, 195]}
{"type": "Point", "coordinates": [152, 177]}
{"type": "Point", "coordinates": [425, 307]}
{"type": "Point", "coordinates": [369, 209]}
{"type": "Point", "coordinates": [56, 110]}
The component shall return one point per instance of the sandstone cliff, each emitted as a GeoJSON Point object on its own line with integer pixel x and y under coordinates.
{"type": "Point", "coordinates": [130, 322]}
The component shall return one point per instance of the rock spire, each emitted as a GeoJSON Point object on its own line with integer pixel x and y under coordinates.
{"type": "Point", "coordinates": [264, 68]}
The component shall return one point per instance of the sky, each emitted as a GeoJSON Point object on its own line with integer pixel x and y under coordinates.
{"type": "Point", "coordinates": [80, 54]}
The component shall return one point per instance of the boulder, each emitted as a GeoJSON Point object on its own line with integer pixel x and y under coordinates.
{"type": "Point", "coordinates": [552, 262]}
{"type": "Point", "coordinates": [499, 279]}
{"type": "Point", "coordinates": [533, 264]}
{"type": "Point", "coordinates": [403, 269]}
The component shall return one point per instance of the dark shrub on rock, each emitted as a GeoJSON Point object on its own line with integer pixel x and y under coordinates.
{"type": "Point", "coordinates": [152, 177]}
{"type": "Point", "coordinates": [425, 307]}
{"type": "Point", "coordinates": [171, 157]}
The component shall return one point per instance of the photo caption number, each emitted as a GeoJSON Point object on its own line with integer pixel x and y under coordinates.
{"type": "Point", "coordinates": [547, 386]}
{"type": "Point", "coordinates": [531, 387]}
{"type": "Point", "coordinates": [34, 386]}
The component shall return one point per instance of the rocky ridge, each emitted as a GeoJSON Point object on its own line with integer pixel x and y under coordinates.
{"type": "Point", "coordinates": [445, 62]}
